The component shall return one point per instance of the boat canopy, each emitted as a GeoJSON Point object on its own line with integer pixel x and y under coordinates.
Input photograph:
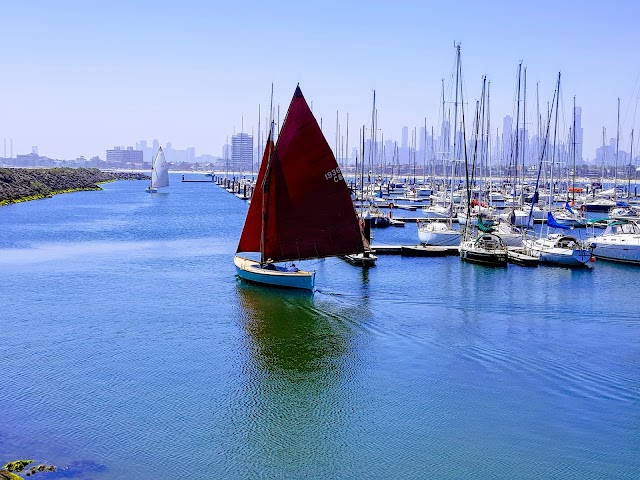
{"type": "Point", "coordinates": [551, 221]}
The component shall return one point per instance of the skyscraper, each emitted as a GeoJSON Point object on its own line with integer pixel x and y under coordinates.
{"type": "Point", "coordinates": [405, 137]}
{"type": "Point", "coordinates": [422, 139]}
{"type": "Point", "coordinates": [507, 138]}
{"type": "Point", "coordinates": [579, 134]}
{"type": "Point", "coordinates": [241, 152]}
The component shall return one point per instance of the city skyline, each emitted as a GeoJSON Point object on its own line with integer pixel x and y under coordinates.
{"type": "Point", "coordinates": [79, 84]}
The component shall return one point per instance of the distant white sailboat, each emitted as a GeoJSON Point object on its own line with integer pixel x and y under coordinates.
{"type": "Point", "coordinates": [159, 173]}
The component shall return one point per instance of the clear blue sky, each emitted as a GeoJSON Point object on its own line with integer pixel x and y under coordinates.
{"type": "Point", "coordinates": [78, 77]}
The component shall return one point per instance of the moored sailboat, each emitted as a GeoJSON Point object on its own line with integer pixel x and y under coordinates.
{"type": "Point", "coordinates": [281, 223]}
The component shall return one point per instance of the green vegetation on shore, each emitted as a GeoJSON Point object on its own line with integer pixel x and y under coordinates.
{"type": "Point", "coordinates": [24, 184]}
{"type": "Point", "coordinates": [6, 473]}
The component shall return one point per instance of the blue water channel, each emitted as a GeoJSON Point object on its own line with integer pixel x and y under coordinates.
{"type": "Point", "coordinates": [131, 350]}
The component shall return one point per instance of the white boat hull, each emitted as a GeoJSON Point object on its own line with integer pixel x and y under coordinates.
{"type": "Point", "coordinates": [617, 253]}
{"type": "Point", "coordinates": [251, 271]}
{"type": "Point", "coordinates": [619, 243]}
{"type": "Point", "coordinates": [439, 234]}
{"type": "Point", "coordinates": [547, 252]}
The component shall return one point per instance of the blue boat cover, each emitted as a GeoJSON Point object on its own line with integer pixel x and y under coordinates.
{"type": "Point", "coordinates": [568, 207]}
{"type": "Point", "coordinates": [552, 222]}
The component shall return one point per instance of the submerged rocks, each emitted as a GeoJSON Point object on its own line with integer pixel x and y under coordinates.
{"type": "Point", "coordinates": [19, 465]}
{"type": "Point", "coordinates": [23, 184]}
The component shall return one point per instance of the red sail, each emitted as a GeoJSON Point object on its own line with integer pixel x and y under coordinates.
{"type": "Point", "coordinates": [252, 231]}
{"type": "Point", "coordinates": [309, 212]}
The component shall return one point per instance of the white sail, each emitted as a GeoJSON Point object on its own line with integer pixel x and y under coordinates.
{"type": "Point", "coordinates": [160, 171]}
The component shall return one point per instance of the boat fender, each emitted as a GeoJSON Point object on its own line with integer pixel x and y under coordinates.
{"type": "Point", "coordinates": [592, 259]}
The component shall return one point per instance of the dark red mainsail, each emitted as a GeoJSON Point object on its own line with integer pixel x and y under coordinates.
{"type": "Point", "coordinates": [301, 195]}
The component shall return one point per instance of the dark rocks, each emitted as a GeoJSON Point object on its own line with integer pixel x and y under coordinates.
{"type": "Point", "coordinates": [22, 184]}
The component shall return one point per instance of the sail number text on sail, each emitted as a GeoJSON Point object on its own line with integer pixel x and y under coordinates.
{"type": "Point", "coordinates": [335, 173]}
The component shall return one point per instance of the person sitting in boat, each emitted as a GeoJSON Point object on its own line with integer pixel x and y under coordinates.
{"type": "Point", "coordinates": [269, 265]}
{"type": "Point", "coordinates": [293, 268]}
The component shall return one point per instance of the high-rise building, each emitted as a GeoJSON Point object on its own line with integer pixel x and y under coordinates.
{"type": "Point", "coordinates": [507, 137]}
{"type": "Point", "coordinates": [241, 152]}
{"type": "Point", "coordinates": [422, 139]}
{"type": "Point", "coordinates": [405, 137]}
{"type": "Point", "coordinates": [123, 157]}
{"type": "Point", "coordinates": [191, 154]}
{"type": "Point", "coordinates": [579, 133]}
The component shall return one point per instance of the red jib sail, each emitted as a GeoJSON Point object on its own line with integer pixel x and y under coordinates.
{"type": "Point", "coordinates": [308, 212]}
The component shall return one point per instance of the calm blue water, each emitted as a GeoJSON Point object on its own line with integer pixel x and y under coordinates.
{"type": "Point", "coordinates": [130, 350]}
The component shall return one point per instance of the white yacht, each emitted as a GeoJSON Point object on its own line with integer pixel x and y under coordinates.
{"type": "Point", "coordinates": [559, 249]}
{"type": "Point", "coordinates": [620, 242]}
{"type": "Point", "coordinates": [439, 234]}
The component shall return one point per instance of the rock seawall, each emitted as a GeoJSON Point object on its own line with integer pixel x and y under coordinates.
{"type": "Point", "coordinates": [23, 184]}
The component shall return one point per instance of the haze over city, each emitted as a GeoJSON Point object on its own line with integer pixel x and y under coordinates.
{"type": "Point", "coordinates": [79, 79]}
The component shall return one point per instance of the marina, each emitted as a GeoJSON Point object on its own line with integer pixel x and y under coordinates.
{"type": "Point", "coordinates": [418, 367]}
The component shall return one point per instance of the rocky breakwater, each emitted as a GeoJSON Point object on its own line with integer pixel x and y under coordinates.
{"type": "Point", "coordinates": [23, 184]}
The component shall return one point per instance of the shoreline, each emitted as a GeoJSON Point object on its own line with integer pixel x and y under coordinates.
{"type": "Point", "coordinates": [19, 185]}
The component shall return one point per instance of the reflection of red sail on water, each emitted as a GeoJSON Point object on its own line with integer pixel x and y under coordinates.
{"type": "Point", "coordinates": [283, 222]}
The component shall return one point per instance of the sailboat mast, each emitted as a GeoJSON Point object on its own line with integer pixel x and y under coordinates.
{"type": "Point", "coordinates": [489, 163]}
{"type": "Point", "coordinates": [525, 136]}
{"type": "Point", "coordinates": [553, 155]}
{"type": "Point", "coordinates": [258, 149]}
{"type": "Point", "coordinates": [615, 170]}
{"type": "Point", "coordinates": [346, 149]}
{"type": "Point", "coordinates": [265, 184]}
{"type": "Point", "coordinates": [337, 134]}
{"type": "Point", "coordinates": [424, 154]}
{"type": "Point", "coordinates": [362, 173]}
{"type": "Point", "coordinates": [604, 155]}
{"type": "Point", "coordinates": [630, 166]}
{"type": "Point", "coordinates": [517, 158]}
{"type": "Point", "coordinates": [455, 107]}
{"type": "Point", "coordinates": [573, 180]}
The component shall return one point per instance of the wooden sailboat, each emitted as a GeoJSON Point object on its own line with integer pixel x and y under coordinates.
{"type": "Point", "coordinates": [159, 173]}
{"type": "Point", "coordinates": [282, 223]}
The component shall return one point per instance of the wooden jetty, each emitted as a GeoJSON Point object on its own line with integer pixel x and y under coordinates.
{"type": "Point", "coordinates": [360, 260]}
{"type": "Point", "coordinates": [414, 250]}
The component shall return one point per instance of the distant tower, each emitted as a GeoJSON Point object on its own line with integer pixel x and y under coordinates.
{"type": "Point", "coordinates": [34, 150]}
{"type": "Point", "coordinates": [241, 151]}
{"type": "Point", "coordinates": [405, 137]}
{"type": "Point", "coordinates": [156, 146]}
{"type": "Point", "coordinates": [422, 139]}
{"type": "Point", "coordinates": [11, 147]}
{"type": "Point", "coordinates": [579, 134]}
{"type": "Point", "coordinates": [507, 140]}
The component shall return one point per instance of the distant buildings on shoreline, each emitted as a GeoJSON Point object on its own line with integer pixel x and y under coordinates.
{"type": "Point", "coordinates": [419, 148]}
